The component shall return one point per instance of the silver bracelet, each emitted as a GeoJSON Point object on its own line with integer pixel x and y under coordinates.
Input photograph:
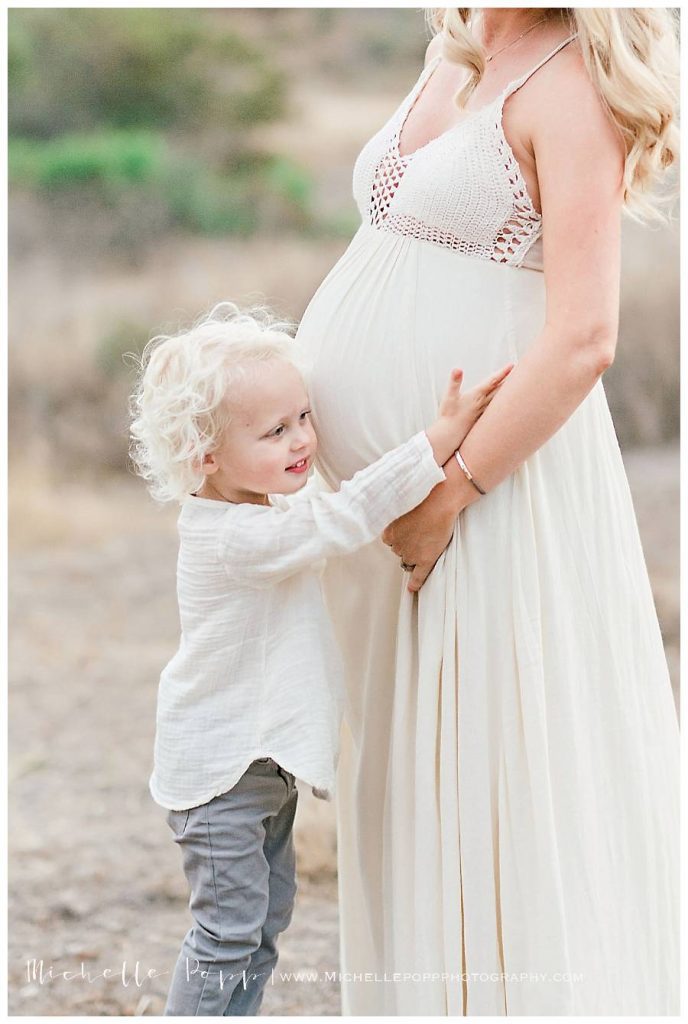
{"type": "Point", "coordinates": [466, 471]}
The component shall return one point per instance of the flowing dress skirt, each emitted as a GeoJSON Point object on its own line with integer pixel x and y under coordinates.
{"type": "Point", "coordinates": [508, 782]}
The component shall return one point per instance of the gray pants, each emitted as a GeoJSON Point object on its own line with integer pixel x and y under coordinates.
{"type": "Point", "coordinates": [238, 855]}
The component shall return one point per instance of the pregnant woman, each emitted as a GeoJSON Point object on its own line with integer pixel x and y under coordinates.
{"type": "Point", "coordinates": [508, 782]}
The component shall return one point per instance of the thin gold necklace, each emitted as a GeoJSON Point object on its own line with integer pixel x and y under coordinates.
{"type": "Point", "coordinates": [493, 55]}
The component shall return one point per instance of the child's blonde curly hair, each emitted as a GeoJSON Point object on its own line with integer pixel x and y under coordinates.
{"type": "Point", "coordinates": [182, 403]}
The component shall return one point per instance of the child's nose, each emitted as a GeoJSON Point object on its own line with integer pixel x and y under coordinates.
{"type": "Point", "coordinates": [301, 438]}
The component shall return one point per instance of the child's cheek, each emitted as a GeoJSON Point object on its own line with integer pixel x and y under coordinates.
{"type": "Point", "coordinates": [270, 462]}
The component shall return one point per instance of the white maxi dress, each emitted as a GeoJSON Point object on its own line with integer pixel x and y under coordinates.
{"type": "Point", "coordinates": [507, 800]}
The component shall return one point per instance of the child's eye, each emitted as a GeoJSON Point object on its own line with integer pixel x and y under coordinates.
{"type": "Point", "coordinates": [277, 430]}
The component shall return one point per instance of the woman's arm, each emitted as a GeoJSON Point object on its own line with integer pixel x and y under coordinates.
{"type": "Point", "coordinates": [580, 166]}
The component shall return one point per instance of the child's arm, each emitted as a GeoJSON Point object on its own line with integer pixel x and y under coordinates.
{"type": "Point", "coordinates": [262, 544]}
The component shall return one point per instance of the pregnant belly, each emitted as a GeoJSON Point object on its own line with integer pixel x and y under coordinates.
{"type": "Point", "coordinates": [384, 329]}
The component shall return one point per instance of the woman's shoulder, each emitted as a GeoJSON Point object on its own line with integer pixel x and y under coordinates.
{"type": "Point", "coordinates": [564, 101]}
{"type": "Point", "coordinates": [566, 73]}
{"type": "Point", "coordinates": [434, 49]}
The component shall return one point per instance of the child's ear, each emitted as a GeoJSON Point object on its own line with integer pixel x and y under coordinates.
{"type": "Point", "coordinates": [209, 464]}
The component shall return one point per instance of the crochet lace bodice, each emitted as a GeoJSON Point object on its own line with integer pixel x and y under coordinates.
{"type": "Point", "coordinates": [462, 190]}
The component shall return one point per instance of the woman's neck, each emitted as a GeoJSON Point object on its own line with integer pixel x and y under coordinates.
{"type": "Point", "coordinates": [500, 25]}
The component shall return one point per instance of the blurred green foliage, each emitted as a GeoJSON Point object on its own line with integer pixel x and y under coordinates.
{"type": "Point", "coordinates": [121, 167]}
{"type": "Point", "coordinates": [75, 69]}
{"type": "Point", "coordinates": [112, 157]}
{"type": "Point", "coordinates": [151, 108]}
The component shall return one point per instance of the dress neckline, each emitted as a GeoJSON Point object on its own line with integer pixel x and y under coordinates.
{"type": "Point", "coordinates": [425, 77]}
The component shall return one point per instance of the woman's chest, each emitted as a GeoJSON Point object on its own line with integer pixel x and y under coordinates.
{"type": "Point", "coordinates": [433, 114]}
{"type": "Point", "coordinates": [468, 179]}
{"type": "Point", "coordinates": [464, 186]}
{"type": "Point", "coordinates": [439, 119]}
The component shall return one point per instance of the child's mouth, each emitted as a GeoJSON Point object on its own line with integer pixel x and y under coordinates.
{"type": "Point", "coordinates": [298, 467]}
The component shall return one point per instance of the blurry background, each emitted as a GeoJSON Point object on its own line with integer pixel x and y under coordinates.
{"type": "Point", "coordinates": [162, 160]}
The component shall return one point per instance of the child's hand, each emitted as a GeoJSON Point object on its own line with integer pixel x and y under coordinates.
{"type": "Point", "coordinates": [466, 409]}
{"type": "Point", "coordinates": [458, 413]}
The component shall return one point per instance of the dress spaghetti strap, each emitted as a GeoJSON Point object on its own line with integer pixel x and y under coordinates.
{"type": "Point", "coordinates": [518, 82]}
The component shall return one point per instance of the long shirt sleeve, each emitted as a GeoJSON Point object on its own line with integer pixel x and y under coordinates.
{"type": "Point", "coordinates": [260, 545]}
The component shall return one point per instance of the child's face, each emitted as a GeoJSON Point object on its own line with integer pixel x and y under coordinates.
{"type": "Point", "coordinates": [269, 446]}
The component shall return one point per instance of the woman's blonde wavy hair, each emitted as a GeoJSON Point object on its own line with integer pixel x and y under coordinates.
{"type": "Point", "coordinates": [632, 57]}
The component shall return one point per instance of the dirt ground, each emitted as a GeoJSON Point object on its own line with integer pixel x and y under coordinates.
{"type": "Point", "coordinates": [96, 881]}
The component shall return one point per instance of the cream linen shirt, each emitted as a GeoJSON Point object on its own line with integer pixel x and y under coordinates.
{"type": "Point", "coordinates": [258, 671]}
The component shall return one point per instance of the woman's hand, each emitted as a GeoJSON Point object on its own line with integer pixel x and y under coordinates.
{"type": "Point", "coordinates": [420, 536]}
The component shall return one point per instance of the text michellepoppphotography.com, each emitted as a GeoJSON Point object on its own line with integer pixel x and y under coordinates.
{"type": "Point", "coordinates": [136, 975]}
